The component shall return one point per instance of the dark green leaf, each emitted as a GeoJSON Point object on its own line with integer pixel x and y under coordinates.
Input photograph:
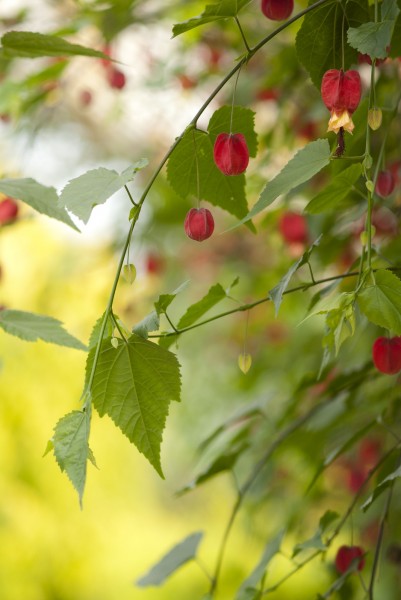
{"type": "Point", "coordinates": [71, 448]}
{"type": "Point", "coordinates": [307, 162]}
{"type": "Point", "coordinates": [243, 121]}
{"type": "Point", "coordinates": [319, 40]}
{"type": "Point", "coordinates": [213, 12]}
{"type": "Point", "coordinates": [197, 310]}
{"type": "Point", "coordinates": [374, 38]}
{"type": "Point", "coordinates": [271, 549]}
{"type": "Point", "coordinates": [333, 194]}
{"type": "Point", "coordinates": [182, 553]}
{"type": "Point", "coordinates": [31, 45]}
{"type": "Point", "coordinates": [380, 301]}
{"type": "Point", "coordinates": [134, 384]}
{"type": "Point", "coordinates": [381, 487]}
{"type": "Point", "coordinates": [32, 327]}
{"type": "Point", "coordinates": [43, 199]}
{"type": "Point", "coordinates": [83, 193]}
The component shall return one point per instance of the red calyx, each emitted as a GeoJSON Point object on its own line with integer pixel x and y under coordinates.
{"type": "Point", "coordinates": [116, 78]}
{"type": "Point", "coordinates": [277, 10]}
{"type": "Point", "coordinates": [293, 228]}
{"type": "Point", "coordinates": [345, 556]}
{"type": "Point", "coordinates": [8, 211]}
{"type": "Point", "coordinates": [199, 224]}
{"type": "Point", "coordinates": [231, 154]}
{"type": "Point", "coordinates": [385, 184]}
{"type": "Point", "coordinates": [341, 90]}
{"type": "Point", "coordinates": [395, 169]}
{"type": "Point", "coordinates": [386, 353]}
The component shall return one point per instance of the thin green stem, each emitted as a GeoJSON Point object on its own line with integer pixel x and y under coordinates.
{"type": "Point", "coordinates": [170, 321]}
{"type": "Point", "coordinates": [242, 34]}
{"type": "Point", "coordinates": [112, 315]}
{"type": "Point", "coordinates": [130, 196]}
{"type": "Point", "coordinates": [233, 100]}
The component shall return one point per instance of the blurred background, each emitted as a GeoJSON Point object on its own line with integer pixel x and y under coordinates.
{"type": "Point", "coordinates": [60, 118]}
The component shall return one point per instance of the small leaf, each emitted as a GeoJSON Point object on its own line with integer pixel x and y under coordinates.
{"type": "Point", "coordinates": [31, 45]}
{"type": "Point", "coordinates": [150, 323]}
{"type": "Point", "coordinates": [375, 38]}
{"type": "Point", "coordinates": [380, 301]}
{"type": "Point", "coordinates": [381, 487]}
{"type": "Point", "coordinates": [306, 163]}
{"type": "Point", "coordinates": [129, 273]}
{"type": "Point", "coordinates": [71, 447]}
{"type": "Point", "coordinates": [42, 199]}
{"type": "Point", "coordinates": [244, 362]}
{"type": "Point", "coordinates": [134, 384]}
{"type": "Point", "coordinates": [271, 549]}
{"type": "Point", "coordinates": [31, 327]}
{"type": "Point", "coordinates": [83, 193]}
{"type": "Point", "coordinates": [213, 12]}
{"type": "Point", "coordinates": [164, 300]}
{"type": "Point", "coordinates": [178, 556]}
{"type": "Point", "coordinates": [333, 194]}
{"type": "Point", "coordinates": [197, 310]}
{"type": "Point", "coordinates": [114, 342]}
{"type": "Point", "coordinates": [108, 331]}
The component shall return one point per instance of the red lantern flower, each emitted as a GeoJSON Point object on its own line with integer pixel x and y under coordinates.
{"type": "Point", "coordinates": [199, 224]}
{"type": "Point", "coordinates": [385, 184]}
{"type": "Point", "coordinates": [341, 93]}
{"type": "Point", "coordinates": [345, 556]}
{"type": "Point", "coordinates": [231, 153]}
{"type": "Point", "coordinates": [8, 211]}
{"type": "Point", "coordinates": [386, 353]}
{"type": "Point", "coordinates": [277, 10]}
{"type": "Point", "coordinates": [293, 228]}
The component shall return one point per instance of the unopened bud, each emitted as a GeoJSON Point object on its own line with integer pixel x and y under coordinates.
{"type": "Point", "coordinates": [375, 117]}
{"type": "Point", "coordinates": [245, 362]}
{"type": "Point", "coordinates": [129, 273]}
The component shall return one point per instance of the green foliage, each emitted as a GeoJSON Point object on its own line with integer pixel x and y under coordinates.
{"type": "Point", "coordinates": [151, 377]}
{"type": "Point", "coordinates": [197, 310]}
{"type": "Point", "coordinates": [32, 327]}
{"type": "Point", "coordinates": [319, 40]}
{"type": "Point", "coordinates": [336, 193]}
{"type": "Point", "coordinates": [43, 199]}
{"type": "Point", "coordinates": [381, 487]}
{"type": "Point", "coordinates": [271, 549]}
{"type": "Point", "coordinates": [148, 324]}
{"type": "Point", "coordinates": [32, 45]}
{"type": "Point", "coordinates": [374, 38]}
{"type": "Point", "coordinates": [178, 556]}
{"type": "Point", "coordinates": [380, 300]}
{"type": "Point", "coordinates": [212, 13]}
{"type": "Point", "coordinates": [85, 192]}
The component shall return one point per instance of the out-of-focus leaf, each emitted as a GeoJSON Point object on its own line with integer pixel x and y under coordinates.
{"type": "Point", "coordinates": [197, 310]}
{"type": "Point", "coordinates": [271, 549]}
{"type": "Point", "coordinates": [213, 12]}
{"type": "Point", "coordinates": [381, 487]}
{"type": "Point", "coordinates": [27, 44]}
{"type": "Point", "coordinates": [380, 301]}
{"type": "Point", "coordinates": [334, 193]}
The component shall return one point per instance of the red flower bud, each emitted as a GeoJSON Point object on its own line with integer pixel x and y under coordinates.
{"type": "Point", "coordinates": [293, 228]}
{"type": "Point", "coordinates": [116, 78]}
{"type": "Point", "coordinates": [345, 556]}
{"type": "Point", "coordinates": [341, 93]}
{"type": "Point", "coordinates": [8, 211]}
{"type": "Point", "coordinates": [386, 353]}
{"type": "Point", "coordinates": [199, 224]}
{"type": "Point", "coordinates": [277, 10]}
{"type": "Point", "coordinates": [385, 184]}
{"type": "Point", "coordinates": [231, 153]}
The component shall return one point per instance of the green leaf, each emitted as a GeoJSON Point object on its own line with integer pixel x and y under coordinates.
{"type": "Point", "coordinates": [333, 194]}
{"type": "Point", "coordinates": [71, 447]}
{"type": "Point", "coordinates": [150, 323]}
{"type": "Point", "coordinates": [307, 162]}
{"type": "Point", "coordinates": [197, 310]}
{"type": "Point", "coordinates": [316, 542]}
{"type": "Point", "coordinates": [238, 418]}
{"type": "Point", "coordinates": [178, 556]}
{"type": "Point", "coordinates": [213, 12]}
{"type": "Point", "coordinates": [276, 294]}
{"type": "Point", "coordinates": [271, 549]}
{"type": "Point", "coordinates": [216, 188]}
{"type": "Point", "coordinates": [32, 327]}
{"type": "Point", "coordinates": [43, 199]}
{"type": "Point", "coordinates": [319, 40]}
{"type": "Point", "coordinates": [134, 384]}
{"type": "Point", "coordinates": [164, 300]}
{"type": "Point", "coordinates": [380, 301]}
{"type": "Point", "coordinates": [108, 332]}
{"type": "Point", "coordinates": [374, 38]}
{"type": "Point", "coordinates": [243, 121]}
{"type": "Point", "coordinates": [381, 487]}
{"type": "Point", "coordinates": [27, 44]}
{"type": "Point", "coordinates": [83, 193]}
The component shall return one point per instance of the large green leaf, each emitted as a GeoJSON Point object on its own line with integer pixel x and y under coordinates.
{"type": "Point", "coordinates": [307, 162]}
{"type": "Point", "coordinates": [395, 50]}
{"type": "Point", "coordinates": [333, 194]}
{"type": "Point", "coordinates": [134, 384]}
{"type": "Point", "coordinates": [32, 327]}
{"type": "Point", "coordinates": [271, 549]}
{"type": "Point", "coordinates": [319, 40]}
{"type": "Point", "coordinates": [43, 199]}
{"type": "Point", "coordinates": [197, 310]}
{"type": "Point", "coordinates": [380, 301]}
{"type": "Point", "coordinates": [375, 38]}
{"type": "Point", "coordinates": [213, 12]}
{"type": "Point", "coordinates": [173, 560]}
{"type": "Point", "coordinates": [243, 121]}
{"type": "Point", "coordinates": [31, 45]}
{"type": "Point", "coordinates": [216, 188]}
{"type": "Point", "coordinates": [71, 447]}
{"type": "Point", "coordinates": [83, 193]}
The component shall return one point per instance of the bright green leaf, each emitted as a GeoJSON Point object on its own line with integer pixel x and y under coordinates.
{"type": "Point", "coordinates": [108, 332]}
{"type": "Point", "coordinates": [27, 44]}
{"type": "Point", "coordinates": [374, 38]}
{"type": "Point", "coordinates": [335, 192]}
{"type": "Point", "coordinates": [43, 199]}
{"type": "Point", "coordinates": [71, 447]}
{"type": "Point", "coordinates": [164, 300]}
{"type": "Point", "coordinates": [380, 301]}
{"type": "Point", "coordinates": [307, 162]}
{"type": "Point", "coordinates": [243, 121]}
{"type": "Point", "coordinates": [271, 549]}
{"type": "Point", "coordinates": [213, 12]}
{"type": "Point", "coordinates": [178, 556]}
{"type": "Point", "coordinates": [134, 384]}
{"type": "Point", "coordinates": [197, 310]}
{"type": "Point", "coordinates": [32, 327]}
{"type": "Point", "coordinates": [85, 192]}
